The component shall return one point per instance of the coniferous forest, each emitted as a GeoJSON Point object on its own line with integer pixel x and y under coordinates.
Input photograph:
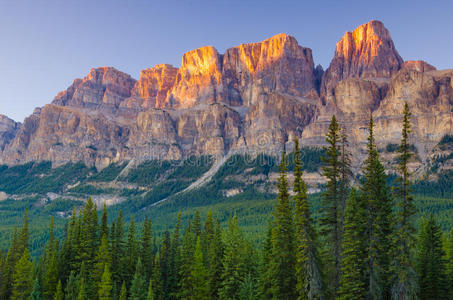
{"type": "Point", "coordinates": [366, 244]}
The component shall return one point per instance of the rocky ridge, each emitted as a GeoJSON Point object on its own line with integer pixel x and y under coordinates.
{"type": "Point", "coordinates": [255, 97]}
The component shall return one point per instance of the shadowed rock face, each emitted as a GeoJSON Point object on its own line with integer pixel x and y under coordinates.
{"type": "Point", "coordinates": [256, 97]}
{"type": "Point", "coordinates": [8, 129]}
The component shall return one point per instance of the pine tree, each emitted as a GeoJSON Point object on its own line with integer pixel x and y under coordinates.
{"type": "Point", "coordinates": [265, 280]}
{"type": "Point", "coordinates": [118, 250]}
{"type": "Point", "coordinates": [199, 275]}
{"type": "Point", "coordinates": [146, 254]}
{"type": "Point", "coordinates": [150, 294]}
{"type": "Point", "coordinates": [353, 282]}
{"type": "Point", "coordinates": [72, 286]}
{"type": "Point", "coordinates": [215, 261]}
{"type": "Point", "coordinates": [18, 245]}
{"type": "Point", "coordinates": [138, 287]}
{"type": "Point", "coordinates": [186, 283]}
{"type": "Point", "coordinates": [404, 283]}
{"type": "Point", "coordinates": [164, 263]}
{"type": "Point", "coordinates": [82, 293]}
{"type": "Point", "coordinates": [283, 258]}
{"type": "Point", "coordinates": [449, 265]}
{"type": "Point", "coordinates": [379, 214]}
{"type": "Point", "coordinates": [11, 259]}
{"type": "Point", "coordinates": [308, 270]}
{"type": "Point", "coordinates": [175, 259]}
{"type": "Point", "coordinates": [59, 292]}
{"type": "Point", "coordinates": [345, 175]}
{"type": "Point", "coordinates": [131, 255]}
{"type": "Point", "coordinates": [36, 292]}
{"type": "Point", "coordinates": [104, 229]}
{"type": "Point", "coordinates": [24, 235]}
{"type": "Point", "coordinates": [106, 284]}
{"type": "Point", "coordinates": [196, 224]}
{"type": "Point", "coordinates": [89, 233]}
{"type": "Point", "coordinates": [23, 277]}
{"type": "Point", "coordinates": [123, 292]}
{"type": "Point", "coordinates": [430, 264]}
{"type": "Point", "coordinates": [103, 258]}
{"type": "Point", "coordinates": [331, 201]}
{"type": "Point", "coordinates": [51, 275]}
{"type": "Point", "coordinates": [233, 264]}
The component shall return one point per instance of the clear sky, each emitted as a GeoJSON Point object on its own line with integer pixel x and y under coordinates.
{"type": "Point", "coordinates": [46, 44]}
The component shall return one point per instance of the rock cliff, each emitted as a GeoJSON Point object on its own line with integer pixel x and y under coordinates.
{"type": "Point", "coordinates": [255, 97]}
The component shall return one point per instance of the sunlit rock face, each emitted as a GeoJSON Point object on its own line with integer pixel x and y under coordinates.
{"type": "Point", "coordinates": [153, 87]}
{"type": "Point", "coordinates": [367, 52]}
{"type": "Point", "coordinates": [254, 98]}
{"type": "Point", "coordinates": [102, 88]}
{"type": "Point", "coordinates": [418, 65]}
{"type": "Point", "coordinates": [198, 79]}
{"type": "Point", "coordinates": [277, 64]}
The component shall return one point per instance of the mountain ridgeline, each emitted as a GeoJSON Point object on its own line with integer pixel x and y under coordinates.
{"type": "Point", "coordinates": [254, 98]}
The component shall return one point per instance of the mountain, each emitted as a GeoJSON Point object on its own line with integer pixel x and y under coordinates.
{"type": "Point", "coordinates": [254, 98]}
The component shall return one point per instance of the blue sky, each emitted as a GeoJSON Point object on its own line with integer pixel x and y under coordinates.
{"type": "Point", "coordinates": [45, 45]}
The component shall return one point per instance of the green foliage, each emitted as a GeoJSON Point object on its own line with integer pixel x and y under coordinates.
{"type": "Point", "coordinates": [331, 214]}
{"type": "Point", "coordinates": [430, 264]}
{"type": "Point", "coordinates": [283, 247]}
{"type": "Point", "coordinates": [352, 282]}
{"type": "Point", "coordinates": [23, 277]}
{"type": "Point", "coordinates": [40, 177]}
{"type": "Point", "coordinates": [148, 172]}
{"type": "Point", "coordinates": [109, 173]}
{"type": "Point", "coordinates": [308, 265]}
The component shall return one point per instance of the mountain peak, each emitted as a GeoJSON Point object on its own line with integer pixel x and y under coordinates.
{"type": "Point", "coordinates": [366, 52]}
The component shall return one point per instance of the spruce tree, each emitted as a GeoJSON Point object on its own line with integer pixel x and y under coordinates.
{"type": "Point", "coordinates": [104, 229]}
{"type": "Point", "coordinates": [233, 264]}
{"type": "Point", "coordinates": [449, 265]}
{"type": "Point", "coordinates": [146, 254]}
{"type": "Point", "coordinates": [123, 292]}
{"type": "Point", "coordinates": [404, 282]}
{"type": "Point", "coordinates": [103, 258]}
{"type": "Point", "coordinates": [118, 254]}
{"type": "Point", "coordinates": [12, 257]}
{"type": "Point", "coordinates": [72, 287]}
{"type": "Point", "coordinates": [175, 259]}
{"type": "Point", "coordinates": [215, 261]}
{"type": "Point", "coordinates": [106, 284]}
{"type": "Point", "coordinates": [331, 201]}
{"type": "Point", "coordinates": [164, 263]}
{"type": "Point", "coordinates": [283, 258]}
{"type": "Point", "coordinates": [36, 292]}
{"type": "Point", "coordinates": [89, 233]}
{"type": "Point", "coordinates": [379, 215]}
{"type": "Point", "coordinates": [353, 262]}
{"type": "Point", "coordinates": [18, 245]}
{"type": "Point", "coordinates": [265, 280]}
{"type": "Point", "coordinates": [138, 287]}
{"type": "Point", "coordinates": [430, 263]}
{"type": "Point", "coordinates": [150, 294]}
{"type": "Point", "coordinates": [308, 269]}
{"type": "Point", "coordinates": [199, 275]}
{"type": "Point", "coordinates": [130, 259]}
{"type": "Point", "coordinates": [186, 283]}
{"type": "Point", "coordinates": [23, 277]}
{"type": "Point", "coordinates": [59, 292]}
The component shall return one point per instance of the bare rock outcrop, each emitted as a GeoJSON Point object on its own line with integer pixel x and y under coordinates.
{"type": "Point", "coordinates": [8, 130]}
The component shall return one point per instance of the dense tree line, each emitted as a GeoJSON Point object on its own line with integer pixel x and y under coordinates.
{"type": "Point", "coordinates": [366, 246]}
